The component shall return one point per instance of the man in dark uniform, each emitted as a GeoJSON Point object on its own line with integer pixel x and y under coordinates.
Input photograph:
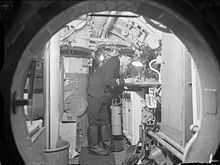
{"type": "Point", "coordinates": [103, 82]}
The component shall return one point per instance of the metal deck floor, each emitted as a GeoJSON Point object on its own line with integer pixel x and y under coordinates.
{"type": "Point", "coordinates": [86, 158]}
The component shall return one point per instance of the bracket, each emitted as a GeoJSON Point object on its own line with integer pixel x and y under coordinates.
{"type": "Point", "coordinates": [21, 102]}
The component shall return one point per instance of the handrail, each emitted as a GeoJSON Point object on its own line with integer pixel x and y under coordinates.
{"type": "Point", "coordinates": [152, 61]}
{"type": "Point", "coordinates": [37, 134]}
{"type": "Point", "coordinates": [189, 145]}
{"type": "Point", "coordinates": [172, 142]}
{"type": "Point", "coordinates": [172, 149]}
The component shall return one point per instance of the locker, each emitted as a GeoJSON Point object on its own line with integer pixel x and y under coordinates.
{"type": "Point", "coordinates": [176, 90]}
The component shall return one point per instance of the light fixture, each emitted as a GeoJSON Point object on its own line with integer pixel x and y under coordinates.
{"type": "Point", "coordinates": [137, 64]}
{"type": "Point", "coordinates": [112, 15]}
{"type": "Point", "coordinates": [101, 58]}
{"type": "Point", "coordinates": [152, 41]}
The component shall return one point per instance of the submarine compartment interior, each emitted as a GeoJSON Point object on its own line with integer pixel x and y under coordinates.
{"type": "Point", "coordinates": [167, 112]}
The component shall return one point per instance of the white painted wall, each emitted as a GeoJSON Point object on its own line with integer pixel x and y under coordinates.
{"type": "Point", "coordinates": [176, 107]}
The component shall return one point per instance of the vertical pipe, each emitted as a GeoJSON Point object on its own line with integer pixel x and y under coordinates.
{"type": "Point", "coordinates": [61, 87]}
{"type": "Point", "coordinates": [195, 100]}
{"type": "Point", "coordinates": [46, 79]}
{"type": "Point", "coordinates": [54, 85]}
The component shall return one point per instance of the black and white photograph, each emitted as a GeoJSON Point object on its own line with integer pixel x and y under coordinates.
{"type": "Point", "coordinates": [110, 82]}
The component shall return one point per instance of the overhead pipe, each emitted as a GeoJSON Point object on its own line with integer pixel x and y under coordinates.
{"type": "Point", "coordinates": [72, 31]}
{"type": "Point", "coordinates": [109, 23]}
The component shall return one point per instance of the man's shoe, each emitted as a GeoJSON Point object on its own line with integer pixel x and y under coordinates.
{"type": "Point", "coordinates": [116, 146]}
{"type": "Point", "coordinates": [105, 132]}
{"type": "Point", "coordinates": [98, 150]}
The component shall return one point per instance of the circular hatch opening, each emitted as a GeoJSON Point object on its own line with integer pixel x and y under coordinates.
{"type": "Point", "coordinates": [189, 27]}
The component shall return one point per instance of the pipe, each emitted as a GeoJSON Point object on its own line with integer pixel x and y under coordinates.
{"type": "Point", "coordinates": [189, 145]}
{"type": "Point", "coordinates": [172, 142]}
{"type": "Point", "coordinates": [167, 145]}
{"type": "Point", "coordinates": [61, 87]}
{"type": "Point", "coordinates": [109, 23]}
{"type": "Point", "coordinates": [152, 61]}
{"type": "Point", "coordinates": [54, 89]}
{"type": "Point", "coordinates": [46, 78]}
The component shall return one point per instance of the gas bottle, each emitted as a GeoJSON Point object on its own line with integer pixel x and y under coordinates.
{"type": "Point", "coordinates": [116, 117]}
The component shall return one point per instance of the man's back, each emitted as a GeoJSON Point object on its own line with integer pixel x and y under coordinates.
{"type": "Point", "coordinates": [103, 77]}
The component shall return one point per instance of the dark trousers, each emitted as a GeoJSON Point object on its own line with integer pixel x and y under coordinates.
{"type": "Point", "coordinates": [98, 111]}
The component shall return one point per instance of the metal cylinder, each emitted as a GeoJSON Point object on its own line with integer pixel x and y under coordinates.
{"type": "Point", "coordinates": [157, 155]}
{"type": "Point", "coordinates": [116, 120]}
{"type": "Point", "coordinates": [140, 132]}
